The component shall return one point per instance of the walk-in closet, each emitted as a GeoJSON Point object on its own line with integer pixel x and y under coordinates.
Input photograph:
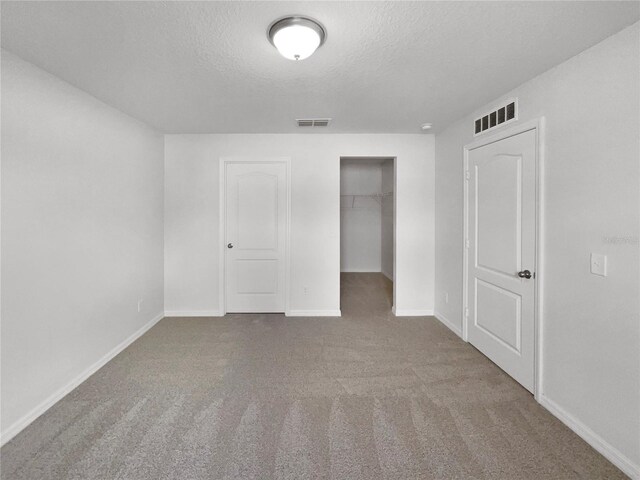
{"type": "Point", "coordinates": [367, 231]}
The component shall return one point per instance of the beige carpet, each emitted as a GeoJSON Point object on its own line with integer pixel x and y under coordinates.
{"type": "Point", "coordinates": [365, 396]}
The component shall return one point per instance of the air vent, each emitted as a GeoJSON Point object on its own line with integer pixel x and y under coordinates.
{"type": "Point", "coordinates": [496, 118]}
{"type": "Point", "coordinates": [313, 122]}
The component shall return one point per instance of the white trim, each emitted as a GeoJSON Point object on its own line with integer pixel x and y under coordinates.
{"type": "Point", "coordinates": [539, 278]}
{"type": "Point", "coordinates": [395, 216]}
{"type": "Point", "coordinates": [449, 324]}
{"type": "Point", "coordinates": [221, 234]}
{"type": "Point", "coordinates": [287, 245]}
{"type": "Point", "coordinates": [193, 313]}
{"type": "Point", "coordinates": [537, 125]}
{"type": "Point", "coordinates": [592, 438]}
{"type": "Point", "coordinates": [222, 226]}
{"type": "Point", "coordinates": [394, 273]}
{"type": "Point", "coordinates": [388, 275]}
{"type": "Point", "coordinates": [45, 405]}
{"type": "Point", "coordinates": [314, 313]}
{"type": "Point", "coordinates": [411, 313]}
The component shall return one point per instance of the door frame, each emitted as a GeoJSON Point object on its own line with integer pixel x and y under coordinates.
{"type": "Point", "coordinates": [537, 125]}
{"type": "Point", "coordinates": [222, 226]}
{"type": "Point", "coordinates": [395, 224]}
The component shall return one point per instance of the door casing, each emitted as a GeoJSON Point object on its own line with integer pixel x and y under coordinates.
{"type": "Point", "coordinates": [538, 126]}
{"type": "Point", "coordinates": [224, 161]}
{"type": "Point", "coordinates": [395, 216]}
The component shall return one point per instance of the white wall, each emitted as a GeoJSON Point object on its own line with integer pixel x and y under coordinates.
{"type": "Point", "coordinates": [360, 217]}
{"type": "Point", "coordinates": [591, 332]}
{"type": "Point", "coordinates": [192, 206]}
{"type": "Point", "coordinates": [82, 236]}
{"type": "Point", "coordinates": [386, 227]}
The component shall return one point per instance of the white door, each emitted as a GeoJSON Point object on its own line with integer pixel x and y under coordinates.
{"type": "Point", "coordinates": [256, 216]}
{"type": "Point", "coordinates": [501, 253]}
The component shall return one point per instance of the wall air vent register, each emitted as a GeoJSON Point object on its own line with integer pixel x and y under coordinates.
{"type": "Point", "coordinates": [313, 122]}
{"type": "Point", "coordinates": [505, 114]}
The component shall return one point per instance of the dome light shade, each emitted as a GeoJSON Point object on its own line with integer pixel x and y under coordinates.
{"type": "Point", "coordinates": [296, 38]}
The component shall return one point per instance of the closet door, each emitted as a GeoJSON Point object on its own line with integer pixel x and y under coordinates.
{"type": "Point", "coordinates": [256, 216]}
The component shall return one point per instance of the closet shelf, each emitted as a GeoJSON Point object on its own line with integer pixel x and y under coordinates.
{"type": "Point", "coordinates": [363, 201]}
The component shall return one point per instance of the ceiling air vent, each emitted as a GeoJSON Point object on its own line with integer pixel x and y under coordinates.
{"type": "Point", "coordinates": [313, 122]}
{"type": "Point", "coordinates": [496, 118]}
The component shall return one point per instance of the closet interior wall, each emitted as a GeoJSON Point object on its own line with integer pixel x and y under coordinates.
{"type": "Point", "coordinates": [366, 215]}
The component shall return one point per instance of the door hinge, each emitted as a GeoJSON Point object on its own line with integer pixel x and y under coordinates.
{"type": "Point", "coordinates": [466, 312]}
{"type": "Point", "coordinates": [467, 175]}
{"type": "Point", "coordinates": [467, 244]}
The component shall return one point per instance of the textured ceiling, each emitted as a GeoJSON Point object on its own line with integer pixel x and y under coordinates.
{"type": "Point", "coordinates": [207, 67]}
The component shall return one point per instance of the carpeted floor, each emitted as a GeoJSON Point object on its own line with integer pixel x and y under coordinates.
{"type": "Point", "coordinates": [365, 396]}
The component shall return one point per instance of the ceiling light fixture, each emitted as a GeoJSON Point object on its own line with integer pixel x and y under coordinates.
{"type": "Point", "coordinates": [426, 126]}
{"type": "Point", "coordinates": [296, 37]}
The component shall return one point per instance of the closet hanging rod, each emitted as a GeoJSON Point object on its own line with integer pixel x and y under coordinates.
{"type": "Point", "coordinates": [349, 201]}
{"type": "Point", "coordinates": [385, 194]}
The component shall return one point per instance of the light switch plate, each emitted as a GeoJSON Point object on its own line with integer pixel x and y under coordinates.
{"type": "Point", "coordinates": [599, 264]}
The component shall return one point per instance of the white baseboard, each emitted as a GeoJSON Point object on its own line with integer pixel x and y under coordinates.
{"type": "Point", "coordinates": [314, 313]}
{"type": "Point", "coordinates": [596, 441]}
{"type": "Point", "coordinates": [400, 312]}
{"type": "Point", "coordinates": [193, 313]}
{"type": "Point", "coordinates": [23, 422]}
{"type": "Point", "coordinates": [388, 275]}
{"type": "Point", "coordinates": [448, 323]}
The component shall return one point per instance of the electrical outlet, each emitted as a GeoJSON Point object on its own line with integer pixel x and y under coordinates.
{"type": "Point", "coordinates": [599, 264]}
{"type": "Point", "coordinates": [305, 290]}
{"type": "Point", "coordinates": [140, 305]}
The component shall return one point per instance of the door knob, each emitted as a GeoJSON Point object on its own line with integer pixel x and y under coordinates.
{"type": "Point", "coordinates": [230, 245]}
{"type": "Point", "coordinates": [524, 274]}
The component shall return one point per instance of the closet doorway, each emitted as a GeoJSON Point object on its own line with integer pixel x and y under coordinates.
{"type": "Point", "coordinates": [367, 235]}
